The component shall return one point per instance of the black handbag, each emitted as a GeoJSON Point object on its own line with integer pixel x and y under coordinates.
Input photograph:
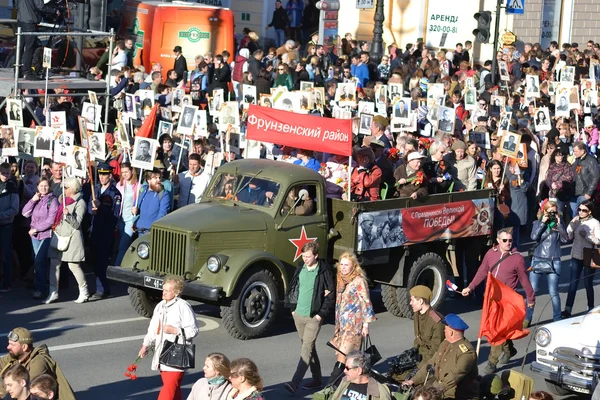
{"type": "Point", "coordinates": [371, 350]}
{"type": "Point", "coordinates": [178, 355]}
{"type": "Point", "coordinates": [543, 266]}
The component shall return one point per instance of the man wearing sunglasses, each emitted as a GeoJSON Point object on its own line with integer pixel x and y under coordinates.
{"type": "Point", "coordinates": [508, 266]}
{"type": "Point", "coordinates": [36, 360]}
{"type": "Point", "coordinates": [358, 384]}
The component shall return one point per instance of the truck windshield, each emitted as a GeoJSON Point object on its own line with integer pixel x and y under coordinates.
{"type": "Point", "coordinates": [251, 190]}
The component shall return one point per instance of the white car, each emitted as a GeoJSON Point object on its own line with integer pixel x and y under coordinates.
{"type": "Point", "coordinates": [568, 354]}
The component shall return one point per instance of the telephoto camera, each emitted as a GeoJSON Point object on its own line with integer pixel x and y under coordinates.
{"type": "Point", "coordinates": [552, 217]}
{"type": "Point", "coordinates": [406, 361]}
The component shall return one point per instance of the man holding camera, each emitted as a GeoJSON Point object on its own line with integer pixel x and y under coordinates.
{"type": "Point", "coordinates": [28, 16]}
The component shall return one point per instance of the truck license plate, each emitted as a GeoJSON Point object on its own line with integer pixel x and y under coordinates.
{"type": "Point", "coordinates": [153, 283]}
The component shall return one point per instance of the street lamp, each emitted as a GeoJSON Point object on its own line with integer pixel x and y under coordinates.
{"type": "Point", "coordinates": [377, 48]}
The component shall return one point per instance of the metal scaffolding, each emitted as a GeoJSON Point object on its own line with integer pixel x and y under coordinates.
{"type": "Point", "coordinates": [20, 85]}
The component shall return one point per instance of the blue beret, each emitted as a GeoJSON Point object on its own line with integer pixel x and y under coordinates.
{"type": "Point", "coordinates": [455, 322]}
{"type": "Point", "coordinates": [104, 168]}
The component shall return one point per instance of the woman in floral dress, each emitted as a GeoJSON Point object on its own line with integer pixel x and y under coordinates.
{"type": "Point", "coordinates": [353, 310]}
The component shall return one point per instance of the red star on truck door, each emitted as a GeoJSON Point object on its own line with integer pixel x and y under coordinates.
{"type": "Point", "coordinates": [300, 242]}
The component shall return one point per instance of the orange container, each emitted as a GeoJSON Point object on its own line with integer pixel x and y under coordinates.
{"type": "Point", "coordinates": [158, 27]}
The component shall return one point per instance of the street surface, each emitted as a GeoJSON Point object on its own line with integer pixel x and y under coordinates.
{"type": "Point", "coordinates": [95, 342]}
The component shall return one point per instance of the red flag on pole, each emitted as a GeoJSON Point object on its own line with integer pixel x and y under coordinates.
{"type": "Point", "coordinates": [147, 128]}
{"type": "Point", "coordinates": [503, 313]}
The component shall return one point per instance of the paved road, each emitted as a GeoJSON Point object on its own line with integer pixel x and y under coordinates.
{"type": "Point", "coordinates": [94, 342]}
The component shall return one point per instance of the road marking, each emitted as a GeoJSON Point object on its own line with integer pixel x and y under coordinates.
{"type": "Point", "coordinates": [86, 325]}
{"type": "Point", "coordinates": [209, 325]}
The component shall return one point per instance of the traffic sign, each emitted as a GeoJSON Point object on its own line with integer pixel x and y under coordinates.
{"type": "Point", "coordinates": [515, 7]}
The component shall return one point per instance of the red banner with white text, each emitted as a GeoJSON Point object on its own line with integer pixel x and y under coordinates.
{"type": "Point", "coordinates": [443, 221]}
{"type": "Point", "coordinates": [303, 131]}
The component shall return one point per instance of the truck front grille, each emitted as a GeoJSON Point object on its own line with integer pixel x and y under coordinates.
{"type": "Point", "coordinates": [168, 251]}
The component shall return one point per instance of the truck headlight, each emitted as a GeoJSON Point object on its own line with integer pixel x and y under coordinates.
{"type": "Point", "coordinates": [543, 337]}
{"type": "Point", "coordinates": [143, 250]}
{"type": "Point", "coordinates": [213, 264]}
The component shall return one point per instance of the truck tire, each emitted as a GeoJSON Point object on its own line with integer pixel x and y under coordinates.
{"type": "Point", "coordinates": [143, 302]}
{"type": "Point", "coordinates": [389, 295]}
{"type": "Point", "coordinates": [429, 270]}
{"type": "Point", "coordinates": [254, 306]}
{"type": "Point", "coordinates": [555, 389]}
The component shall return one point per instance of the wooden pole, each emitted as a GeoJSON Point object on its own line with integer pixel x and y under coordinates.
{"type": "Point", "coordinates": [63, 193]}
{"type": "Point", "coordinates": [137, 199]}
{"type": "Point", "coordinates": [504, 172]}
{"type": "Point", "coordinates": [349, 179]}
{"type": "Point", "coordinates": [91, 173]}
{"type": "Point", "coordinates": [46, 100]}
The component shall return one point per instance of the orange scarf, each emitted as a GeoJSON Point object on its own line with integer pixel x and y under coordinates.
{"type": "Point", "coordinates": [344, 280]}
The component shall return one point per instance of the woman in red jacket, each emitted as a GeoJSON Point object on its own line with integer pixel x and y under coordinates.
{"type": "Point", "coordinates": [366, 179]}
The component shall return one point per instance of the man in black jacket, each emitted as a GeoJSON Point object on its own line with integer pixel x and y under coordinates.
{"type": "Point", "coordinates": [221, 76]}
{"type": "Point", "coordinates": [180, 65]}
{"type": "Point", "coordinates": [280, 21]}
{"type": "Point", "coordinates": [586, 171]}
{"type": "Point", "coordinates": [311, 296]}
{"type": "Point", "coordinates": [254, 64]}
{"type": "Point", "coordinates": [28, 16]}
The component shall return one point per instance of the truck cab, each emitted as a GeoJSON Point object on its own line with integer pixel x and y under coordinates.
{"type": "Point", "coordinates": [239, 246]}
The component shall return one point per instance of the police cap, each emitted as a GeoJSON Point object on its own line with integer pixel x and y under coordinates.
{"type": "Point", "coordinates": [104, 168]}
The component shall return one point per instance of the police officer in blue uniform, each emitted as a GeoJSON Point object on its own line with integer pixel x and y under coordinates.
{"type": "Point", "coordinates": [105, 211]}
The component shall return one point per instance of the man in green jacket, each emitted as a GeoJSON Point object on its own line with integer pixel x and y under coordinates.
{"type": "Point", "coordinates": [36, 360]}
{"type": "Point", "coordinates": [358, 384]}
{"type": "Point", "coordinates": [429, 330]}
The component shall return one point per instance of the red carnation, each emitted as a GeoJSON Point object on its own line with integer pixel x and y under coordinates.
{"type": "Point", "coordinates": [133, 377]}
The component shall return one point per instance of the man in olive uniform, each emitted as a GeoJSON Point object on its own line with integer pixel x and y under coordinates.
{"type": "Point", "coordinates": [36, 360]}
{"type": "Point", "coordinates": [454, 364]}
{"type": "Point", "coordinates": [429, 330]}
{"type": "Point", "coordinates": [105, 211]}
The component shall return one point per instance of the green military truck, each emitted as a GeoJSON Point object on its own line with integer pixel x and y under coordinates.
{"type": "Point", "coordinates": [239, 246]}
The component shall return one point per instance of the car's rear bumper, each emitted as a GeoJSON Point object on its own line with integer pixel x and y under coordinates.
{"type": "Point", "coordinates": [192, 289]}
{"type": "Point", "coordinates": [563, 378]}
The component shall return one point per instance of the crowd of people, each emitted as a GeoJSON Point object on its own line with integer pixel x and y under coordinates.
{"type": "Point", "coordinates": [424, 122]}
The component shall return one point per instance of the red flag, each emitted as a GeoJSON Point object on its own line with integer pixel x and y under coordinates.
{"type": "Point", "coordinates": [503, 313]}
{"type": "Point", "coordinates": [147, 128]}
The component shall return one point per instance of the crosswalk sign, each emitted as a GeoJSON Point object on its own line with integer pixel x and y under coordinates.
{"type": "Point", "coordinates": [515, 7]}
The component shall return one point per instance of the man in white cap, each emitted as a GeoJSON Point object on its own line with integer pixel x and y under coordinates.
{"type": "Point", "coordinates": [410, 179]}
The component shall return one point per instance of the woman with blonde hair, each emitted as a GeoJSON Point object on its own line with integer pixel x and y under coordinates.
{"type": "Point", "coordinates": [353, 310]}
{"type": "Point", "coordinates": [247, 383]}
{"type": "Point", "coordinates": [172, 317]}
{"type": "Point", "coordinates": [129, 187]}
{"type": "Point", "coordinates": [67, 228]}
{"type": "Point", "coordinates": [215, 384]}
